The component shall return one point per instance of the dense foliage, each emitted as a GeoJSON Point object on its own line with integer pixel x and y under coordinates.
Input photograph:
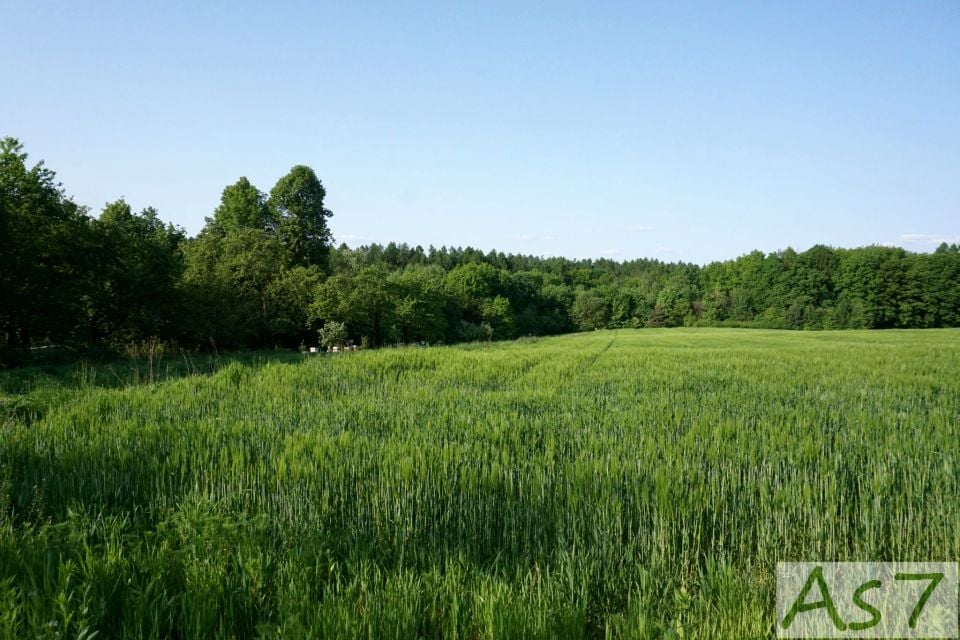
{"type": "Point", "coordinates": [629, 484]}
{"type": "Point", "coordinates": [264, 272]}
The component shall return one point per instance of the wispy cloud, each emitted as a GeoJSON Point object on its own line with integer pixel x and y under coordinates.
{"type": "Point", "coordinates": [641, 228]}
{"type": "Point", "coordinates": [609, 253]}
{"type": "Point", "coordinates": [350, 237]}
{"type": "Point", "coordinates": [927, 239]}
{"type": "Point", "coordinates": [662, 250]}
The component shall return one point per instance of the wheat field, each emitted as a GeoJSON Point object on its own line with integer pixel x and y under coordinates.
{"type": "Point", "coordinates": [612, 484]}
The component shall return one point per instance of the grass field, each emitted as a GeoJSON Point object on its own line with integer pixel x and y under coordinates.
{"type": "Point", "coordinates": [610, 484]}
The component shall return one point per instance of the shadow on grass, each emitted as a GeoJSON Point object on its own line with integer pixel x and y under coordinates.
{"type": "Point", "coordinates": [125, 372]}
{"type": "Point", "coordinates": [27, 393]}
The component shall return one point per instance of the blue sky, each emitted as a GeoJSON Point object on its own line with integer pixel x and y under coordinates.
{"type": "Point", "coordinates": [678, 131]}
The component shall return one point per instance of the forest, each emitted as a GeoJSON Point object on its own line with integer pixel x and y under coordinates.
{"type": "Point", "coordinates": [265, 272]}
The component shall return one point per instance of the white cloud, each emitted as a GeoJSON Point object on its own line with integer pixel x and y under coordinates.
{"type": "Point", "coordinates": [348, 237]}
{"type": "Point", "coordinates": [662, 250]}
{"type": "Point", "coordinates": [641, 228]}
{"type": "Point", "coordinates": [927, 239]}
{"type": "Point", "coordinates": [610, 252]}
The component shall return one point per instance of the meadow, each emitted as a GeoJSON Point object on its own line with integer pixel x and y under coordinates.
{"type": "Point", "coordinates": [610, 484]}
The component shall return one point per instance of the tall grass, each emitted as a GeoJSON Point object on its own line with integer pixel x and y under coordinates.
{"type": "Point", "coordinates": [614, 484]}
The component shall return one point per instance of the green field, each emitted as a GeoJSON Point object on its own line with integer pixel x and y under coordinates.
{"type": "Point", "coordinates": [608, 484]}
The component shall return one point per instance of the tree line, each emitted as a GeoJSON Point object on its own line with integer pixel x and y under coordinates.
{"type": "Point", "coordinates": [264, 272]}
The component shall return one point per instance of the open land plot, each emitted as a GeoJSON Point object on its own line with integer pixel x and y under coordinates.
{"type": "Point", "coordinates": [607, 484]}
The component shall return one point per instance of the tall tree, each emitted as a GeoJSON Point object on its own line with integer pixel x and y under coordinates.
{"type": "Point", "coordinates": [43, 257]}
{"type": "Point", "coordinates": [875, 276]}
{"type": "Point", "coordinates": [242, 206]}
{"type": "Point", "coordinates": [365, 301]}
{"type": "Point", "coordinates": [138, 267]}
{"type": "Point", "coordinates": [240, 291]}
{"type": "Point", "coordinates": [590, 310]}
{"type": "Point", "coordinates": [299, 216]}
{"type": "Point", "coordinates": [422, 303]}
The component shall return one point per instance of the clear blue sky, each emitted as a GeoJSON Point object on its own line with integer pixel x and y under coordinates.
{"type": "Point", "coordinates": [687, 132]}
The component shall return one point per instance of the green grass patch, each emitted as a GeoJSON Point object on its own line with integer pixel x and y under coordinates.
{"type": "Point", "coordinates": [627, 484]}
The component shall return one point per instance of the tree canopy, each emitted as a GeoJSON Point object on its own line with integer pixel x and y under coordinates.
{"type": "Point", "coordinates": [264, 272]}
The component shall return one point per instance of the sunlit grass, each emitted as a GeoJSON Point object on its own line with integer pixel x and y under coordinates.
{"type": "Point", "coordinates": [610, 484]}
